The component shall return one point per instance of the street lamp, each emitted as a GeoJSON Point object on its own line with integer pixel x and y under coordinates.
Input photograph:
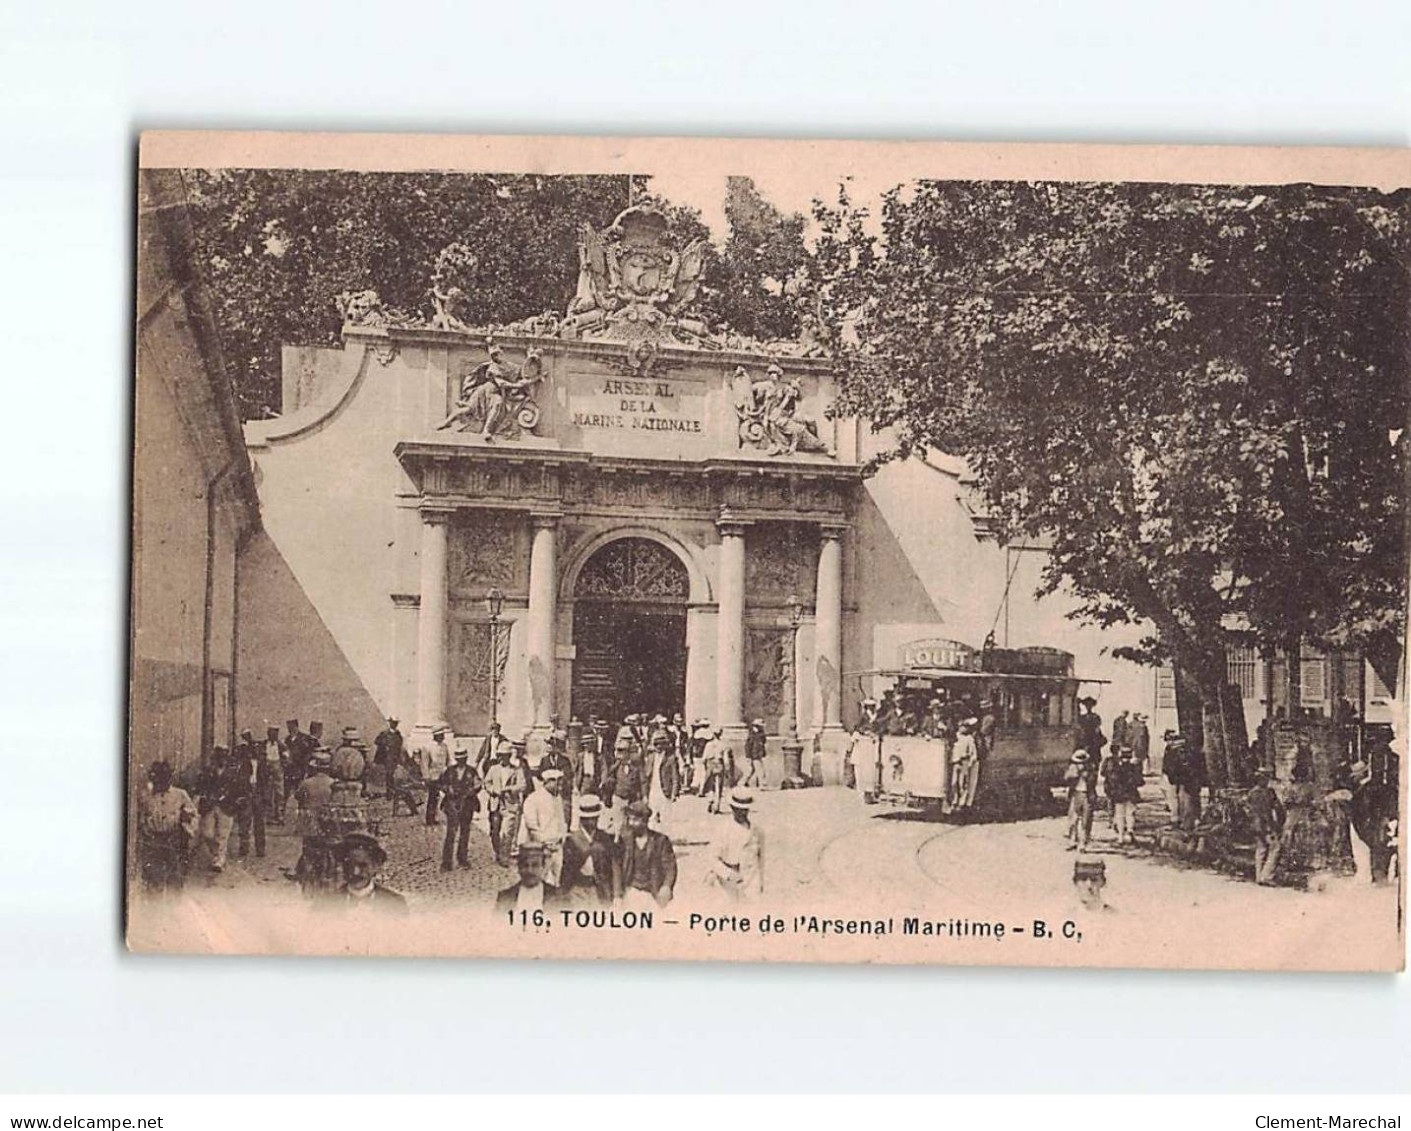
{"type": "Point", "coordinates": [494, 602]}
{"type": "Point", "coordinates": [793, 748]}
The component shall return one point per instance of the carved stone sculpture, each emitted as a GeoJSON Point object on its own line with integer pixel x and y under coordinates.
{"type": "Point", "coordinates": [497, 398]}
{"type": "Point", "coordinates": [767, 414]}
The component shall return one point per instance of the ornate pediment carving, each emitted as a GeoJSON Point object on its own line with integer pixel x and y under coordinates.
{"type": "Point", "coordinates": [633, 285]}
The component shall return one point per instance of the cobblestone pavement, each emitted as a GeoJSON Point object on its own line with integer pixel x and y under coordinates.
{"type": "Point", "coordinates": [826, 844]}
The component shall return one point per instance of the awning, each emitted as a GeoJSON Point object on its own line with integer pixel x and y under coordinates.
{"type": "Point", "coordinates": [955, 673]}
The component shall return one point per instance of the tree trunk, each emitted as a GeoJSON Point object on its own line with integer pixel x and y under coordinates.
{"type": "Point", "coordinates": [1293, 672]}
{"type": "Point", "coordinates": [1189, 715]}
{"type": "Point", "coordinates": [1215, 742]}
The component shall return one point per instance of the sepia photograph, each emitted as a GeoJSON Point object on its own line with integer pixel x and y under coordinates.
{"type": "Point", "coordinates": [831, 554]}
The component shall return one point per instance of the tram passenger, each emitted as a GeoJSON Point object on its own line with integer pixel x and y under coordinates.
{"type": "Point", "coordinates": [965, 766]}
{"type": "Point", "coordinates": [933, 723]}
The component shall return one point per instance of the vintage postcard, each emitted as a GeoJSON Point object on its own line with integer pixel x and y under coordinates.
{"type": "Point", "coordinates": [770, 551]}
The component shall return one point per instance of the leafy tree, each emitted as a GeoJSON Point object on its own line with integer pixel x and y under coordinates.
{"type": "Point", "coordinates": [278, 246]}
{"type": "Point", "coordinates": [1187, 390]}
{"type": "Point", "coordinates": [764, 254]}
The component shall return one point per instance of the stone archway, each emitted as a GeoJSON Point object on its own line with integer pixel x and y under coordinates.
{"type": "Point", "coordinates": [629, 630]}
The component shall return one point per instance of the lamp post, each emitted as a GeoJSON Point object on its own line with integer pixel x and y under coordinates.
{"type": "Point", "coordinates": [793, 748]}
{"type": "Point", "coordinates": [494, 602]}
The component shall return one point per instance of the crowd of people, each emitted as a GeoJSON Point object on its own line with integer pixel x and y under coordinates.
{"type": "Point", "coordinates": [584, 823]}
{"type": "Point", "coordinates": [1314, 821]}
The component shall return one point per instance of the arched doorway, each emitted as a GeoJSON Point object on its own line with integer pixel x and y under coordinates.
{"type": "Point", "coordinates": [629, 631]}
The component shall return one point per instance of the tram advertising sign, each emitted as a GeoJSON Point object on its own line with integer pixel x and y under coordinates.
{"type": "Point", "coordinates": [937, 652]}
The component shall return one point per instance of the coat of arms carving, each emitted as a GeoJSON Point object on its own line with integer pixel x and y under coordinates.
{"type": "Point", "coordinates": [633, 286]}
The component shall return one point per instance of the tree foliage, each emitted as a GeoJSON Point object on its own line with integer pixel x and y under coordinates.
{"type": "Point", "coordinates": [278, 246]}
{"type": "Point", "coordinates": [763, 262]}
{"type": "Point", "coordinates": [1189, 391]}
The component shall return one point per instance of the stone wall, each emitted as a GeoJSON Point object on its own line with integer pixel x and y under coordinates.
{"type": "Point", "coordinates": [193, 500]}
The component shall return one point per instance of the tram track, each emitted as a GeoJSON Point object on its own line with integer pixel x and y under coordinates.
{"type": "Point", "coordinates": [880, 859]}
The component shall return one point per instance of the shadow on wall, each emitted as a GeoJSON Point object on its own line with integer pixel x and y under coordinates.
{"type": "Point", "coordinates": [289, 665]}
{"type": "Point", "coordinates": [886, 590]}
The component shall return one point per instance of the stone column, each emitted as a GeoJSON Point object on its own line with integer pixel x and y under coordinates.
{"type": "Point", "coordinates": [730, 641]}
{"type": "Point", "coordinates": [541, 621]}
{"type": "Point", "coordinates": [828, 631]}
{"type": "Point", "coordinates": [431, 624]}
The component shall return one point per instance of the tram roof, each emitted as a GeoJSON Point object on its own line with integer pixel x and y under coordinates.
{"type": "Point", "coordinates": [959, 673]}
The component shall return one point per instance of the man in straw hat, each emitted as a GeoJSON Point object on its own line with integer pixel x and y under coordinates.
{"type": "Point", "coordinates": [1081, 779]}
{"type": "Point", "coordinates": [592, 770]}
{"type": "Point", "coordinates": [646, 876]}
{"type": "Point", "coordinates": [435, 759]}
{"type": "Point", "coordinates": [362, 857]}
{"type": "Point", "coordinates": [314, 798]}
{"type": "Point", "coordinates": [505, 784]}
{"type": "Point", "coordinates": [737, 854]}
{"type": "Point", "coordinates": [588, 855]}
{"type": "Point", "coordinates": [460, 801]}
{"type": "Point", "coordinates": [716, 757]}
{"type": "Point", "coordinates": [542, 823]}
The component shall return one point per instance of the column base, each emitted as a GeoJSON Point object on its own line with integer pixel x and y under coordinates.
{"type": "Point", "coordinates": [734, 735]}
{"type": "Point", "coordinates": [421, 736]}
{"type": "Point", "coordinates": [793, 748]}
{"type": "Point", "coordinates": [832, 744]}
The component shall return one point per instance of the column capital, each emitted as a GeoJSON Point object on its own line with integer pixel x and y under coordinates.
{"type": "Point", "coordinates": [545, 520]}
{"type": "Point", "coordinates": [731, 524]}
{"type": "Point", "coordinates": [832, 531]}
{"type": "Point", "coordinates": [434, 515]}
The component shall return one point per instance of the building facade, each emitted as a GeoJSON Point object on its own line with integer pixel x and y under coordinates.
{"type": "Point", "coordinates": [194, 501]}
{"type": "Point", "coordinates": [605, 514]}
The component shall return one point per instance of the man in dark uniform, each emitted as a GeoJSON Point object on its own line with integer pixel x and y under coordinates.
{"type": "Point", "coordinates": [588, 855]}
{"type": "Point", "coordinates": [1140, 736]}
{"type": "Point", "coordinates": [298, 749]}
{"type": "Point", "coordinates": [387, 750]}
{"type": "Point", "coordinates": [754, 754]}
{"type": "Point", "coordinates": [248, 762]}
{"type": "Point", "coordinates": [1266, 821]}
{"type": "Point", "coordinates": [1185, 769]}
{"type": "Point", "coordinates": [1374, 812]}
{"type": "Point", "coordinates": [460, 800]}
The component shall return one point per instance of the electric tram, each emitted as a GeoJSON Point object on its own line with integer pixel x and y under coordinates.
{"type": "Point", "coordinates": [1021, 704]}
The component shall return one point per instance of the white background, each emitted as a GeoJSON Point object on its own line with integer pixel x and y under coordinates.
{"type": "Point", "coordinates": [76, 83]}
